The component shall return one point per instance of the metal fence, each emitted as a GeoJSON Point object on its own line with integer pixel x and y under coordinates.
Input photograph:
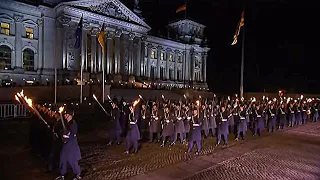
{"type": "Point", "coordinates": [12, 111]}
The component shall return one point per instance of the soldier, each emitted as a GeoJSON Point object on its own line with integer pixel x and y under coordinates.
{"type": "Point", "coordinates": [167, 126]}
{"type": "Point", "coordinates": [212, 119]}
{"type": "Point", "coordinates": [298, 114]}
{"type": "Point", "coordinates": [303, 113]}
{"type": "Point", "coordinates": [272, 118]}
{"type": "Point", "coordinates": [56, 143]}
{"type": "Point", "coordinates": [154, 124]}
{"type": "Point", "coordinates": [195, 132]}
{"type": "Point", "coordinates": [123, 115]}
{"type": "Point", "coordinates": [187, 119]}
{"type": "Point", "coordinates": [143, 121]}
{"type": "Point", "coordinates": [179, 125]}
{"type": "Point", "coordinates": [222, 123]}
{"type": "Point", "coordinates": [291, 114]}
{"type": "Point", "coordinates": [314, 112]}
{"type": "Point", "coordinates": [241, 124]}
{"type": "Point", "coordinates": [70, 152]}
{"type": "Point", "coordinates": [259, 122]}
{"type": "Point", "coordinates": [133, 134]}
{"type": "Point", "coordinates": [282, 116]}
{"type": "Point", "coordinates": [115, 131]}
{"type": "Point", "coordinates": [204, 120]}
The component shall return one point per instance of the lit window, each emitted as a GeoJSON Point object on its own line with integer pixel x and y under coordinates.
{"type": "Point", "coordinates": [153, 54]}
{"type": "Point", "coordinates": [5, 28]}
{"type": "Point", "coordinates": [162, 56]}
{"type": "Point", "coordinates": [28, 60]}
{"type": "Point", "coordinates": [29, 32]}
{"type": "Point", "coordinates": [5, 57]}
{"type": "Point", "coordinates": [179, 59]}
{"type": "Point", "coordinates": [170, 57]}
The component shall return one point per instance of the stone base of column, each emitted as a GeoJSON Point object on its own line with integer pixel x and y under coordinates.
{"type": "Point", "coordinates": [18, 70]}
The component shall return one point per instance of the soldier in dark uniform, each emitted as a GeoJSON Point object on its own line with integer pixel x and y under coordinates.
{"type": "Point", "coordinates": [292, 118]}
{"type": "Point", "coordinates": [167, 124]}
{"type": "Point", "coordinates": [70, 152]}
{"type": "Point", "coordinates": [133, 134]}
{"type": "Point", "coordinates": [143, 121]}
{"type": "Point", "coordinates": [195, 132]}
{"type": "Point", "coordinates": [115, 131]}
{"type": "Point", "coordinates": [179, 125]}
{"type": "Point", "coordinates": [222, 123]}
{"type": "Point", "coordinates": [154, 124]}
{"type": "Point", "coordinates": [282, 116]}
{"type": "Point", "coordinates": [241, 123]}
{"type": "Point", "coordinates": [259, 122]}
{"type": "Point", "coordinates": [272, 118]}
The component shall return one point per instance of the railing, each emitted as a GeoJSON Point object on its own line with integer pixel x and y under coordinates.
{"type": "Point", "coordinates": [12, 111]}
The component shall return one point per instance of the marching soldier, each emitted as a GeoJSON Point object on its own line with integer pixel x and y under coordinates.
{"type": "Point", "coordinates": [204, 120]}
{"type": "Point", "coordinates": [70, 152]}
{"type": "Point", "coordinates": [272, 118]}
{"type": "Point", "coordinates": [143, 121]}
{"type": "Point", "coordinates": [115, 131]}
{"type": "Point", "coordinates": [282, 116]}
{"type": "Point", "coordinates": [291, 114]}
{"type": "Point", "coordinates": [167, 126]}
{"type": "Point", "coordinates": [242, 123]}
{"type": "Point", "coordinates": [133, 134]}
{"type": "Point", "coordinates": [259, 122]}
{"type": "Point", "coordinates": [195, 133]}
{"type": "Point", "coordinates": [223, 129]}
{"type": "Point", "coordinates": [212, 112]}
{"type": "Point", "coordinates": [187, 121]}
{"type": "Point", "coordinates": [179, 125]}
{"type": "Point", "coordinates": [154, 124]}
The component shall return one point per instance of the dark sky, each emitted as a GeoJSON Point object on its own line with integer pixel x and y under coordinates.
{"type": "Point", "coordinates": [281, 43]}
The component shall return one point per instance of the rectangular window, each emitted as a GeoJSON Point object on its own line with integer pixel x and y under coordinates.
{"type": "Point", "coordinates": [5, 28]}
{"type": "Point", "coordinates": [179, 59]}
{"type": "Point", "coordinates": [153, 54]}
{"type": "Point", "coordinates": [162, 56]}
{"type": "Point", "coordinates": [170, 57]}
{"type": "Point", "coordinates": [29, 33]}
{"type": "Point", "coordinates": [145, 52]}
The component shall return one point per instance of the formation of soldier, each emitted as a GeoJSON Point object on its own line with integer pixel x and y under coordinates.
{"type": "Point", "coordinates": [168, 122]}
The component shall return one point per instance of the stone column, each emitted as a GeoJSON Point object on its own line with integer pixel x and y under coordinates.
{"type": "Point", "coordinates": [159, 48]}
{"type": "Point", "coordinates": [65, 25]}
{"type": "Point", "coordinates": [18, 41]}
{"type": "Point", "coordinates": [149, 46]}
{"type": "Point", "coordinates": [168, 51]}
{"type": "Point", "coordinates": [142, 56]}
{"type": "Point", "coordinates": [204, 67]}
{"type": "Point", "coordinates": [138, 57]}
{"type": "Point", "coordinates": [117, 51]}
{"type": "Point", "coordinates": [176, 54]}
{"type": "Point", "coordinates": [58, 57]}
{"type": "Point", "coordinates": [93, 50]}
{"type": "Point", "coordinates": [185, 66]}
{"type": "Point", "coordinates": [131, 49]}
{"type": "Point", "coordinates": [40, 44]}
{"type": "Point", "coordinates": [110, 66]}
{"type": "Point", "coordinates": [84, 53]}
{"type": "Point", "coordinates": [193, 62]}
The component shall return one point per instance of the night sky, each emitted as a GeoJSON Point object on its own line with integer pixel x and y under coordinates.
{"type": "Point", "coordinates": [281, 43]}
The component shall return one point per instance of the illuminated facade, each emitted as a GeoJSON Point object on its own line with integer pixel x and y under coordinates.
{"type": "Point", "coordinates": [35, 39]}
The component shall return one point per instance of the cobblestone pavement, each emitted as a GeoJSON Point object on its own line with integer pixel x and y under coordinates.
{"type": "Point", "coordinates": [289, 154]}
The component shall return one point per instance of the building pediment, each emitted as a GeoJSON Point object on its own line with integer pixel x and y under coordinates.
{"type": "Point", "coordinates": [110, 8]}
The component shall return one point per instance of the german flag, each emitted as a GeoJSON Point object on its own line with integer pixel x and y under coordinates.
{"type": "Point", "coordinates": [240, 24]}
{"type": "Point", "coordinates": [101, 38]}
{"type": "Point", "coordinates": [182, 8]}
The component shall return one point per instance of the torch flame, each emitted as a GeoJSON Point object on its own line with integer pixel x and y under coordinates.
{"type": "Point", "coordinates": [228, 98]}
{"type": "Point", "coordinates": [94, 96]}
{"type": "Point", "coordinates": [263, 97]}
{"type": "Point", "coordinates": [21, 93]}
{"type": "Point", "coordinates": [136, 102]}
{"type": "Point", "coordinates": [140, 96]}
{"type": "Point", "coordinates": [274, 99]}
{"type": "Point", "coordinates": [185, 96]}
{"type": "Point", "coordinates": [242, 98]}
{"type": "Point", "coordinates": [301, 97]}
{"type": "Point", "coordinates": [16, 97]}
{"type": "Point", "coordinates": [29, 101]}
{"type": "Point", "coordinates": [61, 109]}
{"type": "Point", "coordinates": [253, 99]}
{"type": "Point", "coordinates": [198, 102]}
{"type": "Point", "coordinates": [269, 102]}
{"type": "Point", "coordinates": [162, 96]}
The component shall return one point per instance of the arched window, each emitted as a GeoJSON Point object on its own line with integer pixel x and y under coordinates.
{"type": "Point", "coordinates": [153, 72]}
{"type": "Point", "coordinates": [28, 60]}
{"type": "Point", "coordinates": [5, 57]}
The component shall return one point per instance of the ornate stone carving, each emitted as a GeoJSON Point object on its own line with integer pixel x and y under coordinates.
{"type": "Point", "coordinates": [118, 33]}
{"type": "Point", "coordinates": [86, 25]}
{"type": "Point", "coordinates": [40, 22]}
{"type": "Point", "coordinates": [64, 20]}
{"type": "Point", "coordinates": [95, 31]}
{"type": "Point", "coordinates": [110, 35]}
{"type": "Point", "coordinates": [143, 38]}
{"type": "Point", "coordinates": [176, 51]}
{"type": "Point", "coordinates": [109, 9]}
{"type": "Point", "coordinates": [168, 50]}
{"type": "Point", "coordinates": [131, 36]}
{"type": "Point", "coordinates": [197, 63]}
{"type": "Point", "coordinates": [17, 18]}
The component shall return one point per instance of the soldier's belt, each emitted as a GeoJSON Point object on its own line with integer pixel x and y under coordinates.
{"type": "Point", "coordinates": [224, 119]}
{"type": "Point", "coordinates": [196, 125]}
{"type": "Point", "coordinates": [258, 116]}
{"type": "Point", "coordinates": [132, 123]}
{"type": "Point", "coordinates": [242, 118]}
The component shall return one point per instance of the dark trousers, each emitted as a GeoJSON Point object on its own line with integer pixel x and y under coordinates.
{"type": "Point", "coordinates": [191, 143]}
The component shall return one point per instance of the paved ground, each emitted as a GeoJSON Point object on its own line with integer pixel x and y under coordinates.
{"type": "Point", "coordinates": [290, 154]}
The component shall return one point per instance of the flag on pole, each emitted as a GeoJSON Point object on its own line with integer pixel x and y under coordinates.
{"type": "Point", "coordinates": [101, 38]}
{"type": "Point", "coordinates": [182, 8]}
{"type": "Point", "coordinates": [78, 34]}
{"type": "Point", "coordinates": [241, 23]}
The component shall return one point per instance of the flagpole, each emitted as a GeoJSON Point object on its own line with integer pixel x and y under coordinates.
{"type": "Point", "coordinates": [242, 62]}
{"type": "Point", "coordinates": [82, 61]}
{"type": "Point", "coordinates": [55, 64]}
{"type": "Point", "coordinates": [103, 73]}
